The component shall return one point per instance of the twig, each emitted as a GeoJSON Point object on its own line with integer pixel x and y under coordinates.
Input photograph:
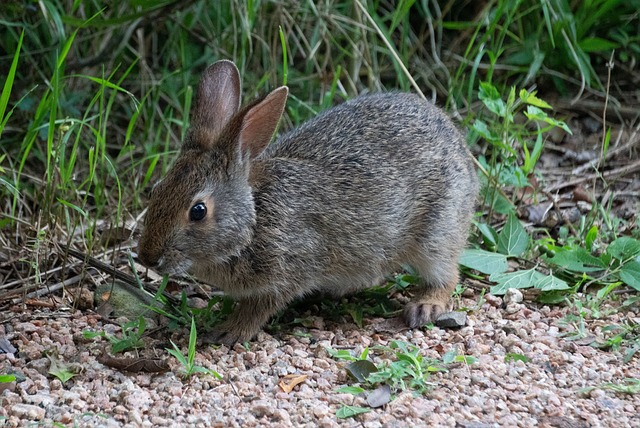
{"type": "Point", "coordinates": [29, 279]}
{"type": "Point", "coordinates": [633, 140]}
{"type": "Point", "coordinates": [42, 291]}
{"type": "Point", "coordinates": [604, 124]}
{"type": "Point", "coordinates": [633, 167]}
{"type": "Point", "coordinates": [92, 261]}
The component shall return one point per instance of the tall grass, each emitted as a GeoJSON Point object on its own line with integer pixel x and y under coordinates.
{"type": "Point", "coordinates": [96, 95]}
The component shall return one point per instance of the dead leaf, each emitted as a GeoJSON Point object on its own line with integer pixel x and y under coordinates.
{"type": "Point", "coordinates": [149, 365]}
{"type": "Point", "coordinates": [581, 194]}
{"type": "Point", "coordinates": [288, 382]}
{"type": "Point", "coordinates": [536, 214]}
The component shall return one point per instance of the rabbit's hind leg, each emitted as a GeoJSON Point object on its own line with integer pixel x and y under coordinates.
{"type": "Point", "coordinates": [439, 279]}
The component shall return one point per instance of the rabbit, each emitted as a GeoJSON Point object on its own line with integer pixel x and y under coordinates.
{"type": "Point", "coordinates": [333, 206]}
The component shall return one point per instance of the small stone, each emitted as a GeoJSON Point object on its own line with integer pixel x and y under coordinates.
{"type": "Point", "coordinates": [262, 408]}
{"type": "Point", "coordinates": [513, 295]}
{"type": "Point", "coordinates": [28, 411]}
{"type": "Point", "coordinates": [41, 399]}
{"type": "Point", "coordinates": [513, 308]}
{"type": "Point", "coordinates": [494, 301]}
{"type": "Point", "coordinates": [452, 319]}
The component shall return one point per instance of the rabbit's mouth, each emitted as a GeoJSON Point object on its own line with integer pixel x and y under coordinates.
{"type": "Point", "coordinates": [172, 267]}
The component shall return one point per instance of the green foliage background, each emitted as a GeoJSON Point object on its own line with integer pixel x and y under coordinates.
{"type": "Point", "coordinates": [96, 94]}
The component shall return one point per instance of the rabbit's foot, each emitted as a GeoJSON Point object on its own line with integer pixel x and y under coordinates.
{"type": "Point", "coordinates": [417, 314]}
{"type": "Point", "coordinates": [228, 333]}
{"type": "Point", "coordinates": [246, 320]}
{"type": "Point", "coordinates": [428, 307]}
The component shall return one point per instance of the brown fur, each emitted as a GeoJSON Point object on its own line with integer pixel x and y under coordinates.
{"type": "Point", "coordinates": [333, 206]}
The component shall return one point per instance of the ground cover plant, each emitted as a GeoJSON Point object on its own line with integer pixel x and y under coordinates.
{"type": "Point", "coordinates": [95, 102]}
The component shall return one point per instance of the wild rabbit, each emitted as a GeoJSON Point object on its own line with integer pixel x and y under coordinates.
{"type": "Point", "coordinates": [333, 206]}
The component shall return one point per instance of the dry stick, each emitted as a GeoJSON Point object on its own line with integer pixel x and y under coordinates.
{"type": "Point", "coordinates": [635, 166]}
{"type": "Point", "coordinates": [604, 121]}
{"type": "Point", "coordinates": [92, 261]}
{"type": "Point", "coordinates": [633, 140]}
{"type": "Point", "coordinates": [596, 106]}
{"type": "Point", "coordinates": [46, 290]}
{"type": "Point", "coordinates": [28, 279]}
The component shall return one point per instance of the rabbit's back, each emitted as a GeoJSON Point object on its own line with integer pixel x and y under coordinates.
{"type": "Point", "coordinates": [395, 127]}
{"type": "Point", "coordinates": [365, 186]}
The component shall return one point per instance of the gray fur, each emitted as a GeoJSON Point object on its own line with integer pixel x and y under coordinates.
{"type": "Point", "coordinates": [332, 206]}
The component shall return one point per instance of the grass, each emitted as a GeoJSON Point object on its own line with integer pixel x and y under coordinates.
{"type": "Point", "coordinates": [95, 101]}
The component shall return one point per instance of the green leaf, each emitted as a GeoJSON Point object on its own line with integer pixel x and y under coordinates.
{"type": "Point", "coordinates": [484, 261]}
{"type": "Point", "coordinates": [193, 335]}
{"type": "Point", "coordinates": [450, 356]}
{"type": "Point", "coordinates": [530, 160]}
{"type": "Point", "coordinates": [592, 234]}
{"type": "Point", "coordinates": [597, 44]}
{"type": "Point", "coordinates": [341, 354]}
{"type": "Point", "coordinates": [87, 334]}
{"type": "Point", "coordinates": [481, 128]}
{"type": "Point", "coordinates": [361, 369]}
{"type": "Point", "coordinates": [510, 356]}
{"type": "Point", "coordinates": [630, 274]}
{"type": "Point", "coordinates": [355, 390]}
{"type": "Point", "coordinates": [553, 297]}
{"type": "Point", "coordinates": [534, 113]}
{"type": "Point", "coordinates": [7, 378]}
{"type": "Point", "coordinates": [466, 359]}
{"type": "Point", "coordinates": [624, 248]}
{"type": "Point", "coordinates": [350, 411]}
{"type": "Point", "coordinates": [8, 85]}
{"type": "Point", "coordinates": [178, 354]}
{"type": "Point", "coordinates": [550, 283]}
{"type": "Point", "coordinates": [577, 260]}
{"type": "Point", "coordinates": [513, 240]}
{"type": "Point", "coordinates": [489, 233]}
{"type": "Point", "coordinates": [519, 279]}
{"type": "Point", "coordinates": [357, 314]}
{"type": "Point", "coordinates": [530, 98]}
{"type": "Point", "coordinates": [490, 96]}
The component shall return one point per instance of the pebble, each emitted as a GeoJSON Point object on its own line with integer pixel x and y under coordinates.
{"type": "Point", "coordinates": [28, 411]}
{"type": "Point", "coordinates": [454, 319]}
{"type": "Point", "coordinates": [513, 295]}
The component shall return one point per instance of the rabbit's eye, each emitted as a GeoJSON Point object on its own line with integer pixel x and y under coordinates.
{"type": "Point", "coordinates": [198, 212]}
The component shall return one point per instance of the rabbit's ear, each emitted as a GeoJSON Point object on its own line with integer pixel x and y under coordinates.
{"type": "Point", "coordinates": [217, 100]}
{"type": "Point", "coordinates": [260, 122]}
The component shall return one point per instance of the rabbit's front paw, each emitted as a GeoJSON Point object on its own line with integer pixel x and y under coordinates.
{"type": "Point", "coordinates": [417, 314]}
{"type": "Point", "coordinates": [228, 334]}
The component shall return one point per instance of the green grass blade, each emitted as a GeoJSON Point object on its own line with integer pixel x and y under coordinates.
{"type": "Point", "coordinates": [8, 84]}
{"type": "Point", "coordinates": [283, 43]}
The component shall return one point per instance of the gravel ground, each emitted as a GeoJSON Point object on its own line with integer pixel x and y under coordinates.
{"type": "Point", "coordinates": [545, 391]}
